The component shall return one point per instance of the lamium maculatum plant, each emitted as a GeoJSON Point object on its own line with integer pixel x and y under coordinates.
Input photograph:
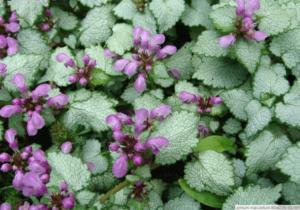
{"type": "Point", "coordinates": [149, 104]}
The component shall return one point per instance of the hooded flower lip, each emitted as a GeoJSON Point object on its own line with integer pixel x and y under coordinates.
{"type": "Point", "coordinates": [120, 166]}
{"type": "Point", "coordinates": [246, 27]}
{"type": "Point", "coordinates": [147, 50]}
{"type": "Point", "coordinates": [130, 145]}
{"type": "Point", "coordinates": [156, 143]}
{"type": "Point", "coordinates": [8, 43]}
{"type": "Point", "coordinates": [10, 137]}
{"type": "Point", "coordinates": [32, 103]}
{"type": "Point", "coordinates": [82, 74]}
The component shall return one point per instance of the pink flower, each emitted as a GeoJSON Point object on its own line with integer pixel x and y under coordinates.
{"type": "Point", "coordinates": [156, 143]}
{"type": "Point", "coordinates": [12, 46]}
{"type": "Point", "coordinates": [114, 122]}
{"type": "Point", "coordinates": [140, 83]}
{"type": "Point", "coordinates": [32, 185]}
{"type": "Point", "coordinates": [59, 101]}
{"type": "Point", "coordinates": [35, 122]}
{"type": "Point", "coordinates": [161, 112]}
{"type": "Point", "coordinates": [120, 166]}
{"type": "Point", "coordinates": [41, 91]}
{"type": "Point", "coordinates": [226, 41]}
{"type": "Point", "coordinates": [10, 110]}
{"type": "Point", "coordinates": [187, 97]}
{"type": "Point", "coordinates": [5, 206]}
{"type": "Point", "coordinates": [19, 81]}
{"type": "Point", "coordinates": [10, 137]}
{"type": "Point", "coordinates": [147, 50]}
{"type": "Point", "coordinates": [64, 58]}
{"type": "Point", "coordinates": [66, 147]}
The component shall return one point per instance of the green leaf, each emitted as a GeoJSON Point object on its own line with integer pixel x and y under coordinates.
{"type": "Point", "coordinates": [265, 151]}
{"type": "Point", "coordinates": [182, 202]}
{"type": "Point", "coordinates": [182, 61]}
{"type": "Point", "coordinates": [69, 169]}
{"type": "Point", "coordinates": [181, 130]}
{"type": "Point", "coordinates": [99, 77]}
{"type": "Point", "coordinates": [289, 164]}
{"type": "Point", "coordinates": [71, 41]}
{"type": "Point", "coordinates": [236, 100]}
{"type": "Point", "coordinates": [281, 46]}
{"type": "Point", "coordinates": [248, 53]}
{"type": "Point", "coordinates": [91, 153]}
{"type": "Point", "coordinates": [208, 45]}
{"type": "Point", "coordinates": [258, 117]}
{"type": "Point", "coordinates": [4, 96]}
{"type": "Point", "coordinates": [57, 71]}
{"type": "Point", "coordinates": [288, 111]}
{"type": "Point", "coordinates": [97, 53]}
{"type": "Point", "coordinates": [96, 26]}
{"type": "Point", "coordinates": [89, 109]}
{"type": "Point", "coordinates": [93, 3]}
{"type": "Point", "coordinates": [224, 18]}
{"type": "Point", "coordinates": [215, 143]}
{"type": "Point", "coordinates": [122, 39]}
{"type": "Point", "coordinates": [27, 10]}
{"type": "Point", "coordinates": [126, 9]}
{"type": "Point", "coordinates": [232, 126]}
{"type": "Point", "coordinates": [204, 197]}
{"type": "Point", "coordinates": [219, 72]}
{"type": "Point", "coordinates": [212, 172]}
{"type": "Point", "coordinates": [65, 20]}
{"type": "Point", "coordinates": [270, 80]}
{"type": "Point", "coordinates": [239, 171]}
{"type": "Point", "coordinates": [32, 43]}
{"type": "Point", "coordinates": [85, 197]}
{"type": "Point", "coordinates": [167, 12]}
{"type": "Point", "coordinates": [146, 101]}
{"type": "Point", "coordinates": [197, 14]}
{"type": "Point", "coordinates": [28, 65]}
{"type": "Point", "coordinates": [253, 195]}
{"type": "Point", "coordinates": [185, 86]}
{"type": "Point", "coordinates": [290, 192]}
{"type": "Point", "coordinates": [16, 122]}
{"type": "Point", "coordinates": [274, 19]}
{"type": "Point", "coordinates": [145, 20]}
{"type": "Point", "coordinates": [130, 94]}
{"type": "Point", "coordinates": [161, 76]}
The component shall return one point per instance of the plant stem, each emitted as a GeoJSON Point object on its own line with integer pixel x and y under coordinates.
{"type": "Point", "coordinates": [114, 190]}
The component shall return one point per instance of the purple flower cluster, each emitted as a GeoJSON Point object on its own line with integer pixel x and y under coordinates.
{"type": "Point", "coordinates": [147, 50]}
{"type": "Point", "coordinates": [61, 200]}
{"type": "Point", "coordinates": [82, 74]}
{"type": "Point", "coordinates": [32, 171]}
{"type": "Point", "coordinates": [24, 206]}
{"type": "Point", "coordinates": [47, 23]}
{"type": "Point", "coordinates": [245, 24]}
{"type": "Point", "coordinates": [132, 147]}
{"type": "Point", "coordinates": [8, 43]}
{"type": "Point", "coordinates": [32, 103]}
{"type": "Point", "coordinates": [203, 130]}
{"type": "Point", "coordinates": [204, 105]}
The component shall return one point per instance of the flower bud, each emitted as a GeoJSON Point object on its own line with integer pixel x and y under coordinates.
{"type": "Point", "coordinates": [66, 147]}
